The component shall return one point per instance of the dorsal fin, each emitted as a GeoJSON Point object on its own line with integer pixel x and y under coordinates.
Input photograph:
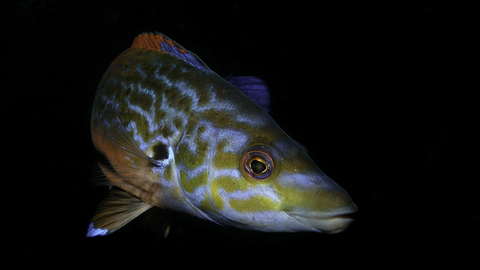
{"type": "Point", "coordinates": [255, 88]}
{"type": "Point", "coordinates": [161, 43]}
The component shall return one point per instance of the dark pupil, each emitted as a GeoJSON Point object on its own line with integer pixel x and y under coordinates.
{"type": "Point", "coordinates": [160, 151]}
{"type": "Point", "coordinates": [258, 167]}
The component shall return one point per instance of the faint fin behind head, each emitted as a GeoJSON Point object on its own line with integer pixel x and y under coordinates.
{"type": "Point", "coordinates": [255, 88]}
{"type": "Point", "coordinates": [159, 220]}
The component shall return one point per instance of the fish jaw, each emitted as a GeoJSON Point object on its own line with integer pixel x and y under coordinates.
{"type": "Point", "coordinates": [331, 222]}
{"type": "Point", "coordinates": [323, 207]}
{"type": "Point", "coordinates": [320, 209]}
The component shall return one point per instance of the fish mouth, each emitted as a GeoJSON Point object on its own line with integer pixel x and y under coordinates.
{"type": "Point", "coordinates": [331, 222]}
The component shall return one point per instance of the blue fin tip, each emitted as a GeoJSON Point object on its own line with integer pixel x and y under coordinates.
{"type": "Point", "coordinates": [92, 232]}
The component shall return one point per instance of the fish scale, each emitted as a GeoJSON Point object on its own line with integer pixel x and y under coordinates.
{"type": "Point", "coordinates": [178, 136]}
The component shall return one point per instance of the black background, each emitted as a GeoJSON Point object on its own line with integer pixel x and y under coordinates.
{"type": "Point", "coordinates": [382, 95]}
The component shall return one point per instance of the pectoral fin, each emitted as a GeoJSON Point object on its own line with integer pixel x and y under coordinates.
{"type": "Point", "coordinates": [115, 211]}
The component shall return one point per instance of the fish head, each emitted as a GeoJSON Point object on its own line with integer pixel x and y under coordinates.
{"type": "Point", "coordinates": [173, 134]}
{"type": "Point", "coordinates": [277, 187]}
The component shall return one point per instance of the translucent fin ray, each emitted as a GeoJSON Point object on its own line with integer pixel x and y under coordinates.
{"type": "Point", "coordinates": [115, 211]}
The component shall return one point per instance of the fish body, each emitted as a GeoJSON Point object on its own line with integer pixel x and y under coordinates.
{"type": "Point", "coordinates": [174, 134]}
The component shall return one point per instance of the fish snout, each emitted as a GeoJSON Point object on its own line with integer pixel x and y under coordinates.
{"type": "Point", "coordinates": [320, 205]}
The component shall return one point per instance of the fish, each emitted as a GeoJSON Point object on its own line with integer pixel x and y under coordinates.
{"type": "Point", "coordinates": [171, 134]}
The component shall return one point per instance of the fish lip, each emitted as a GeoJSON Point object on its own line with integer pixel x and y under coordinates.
{"type": "Point", "coordinates": [340, 211]}
{"type": "Point", "coordinates": [333, 221]}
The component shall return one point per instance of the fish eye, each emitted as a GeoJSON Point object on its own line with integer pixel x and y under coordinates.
{"type": "Point", "coordinates": [258, 163]}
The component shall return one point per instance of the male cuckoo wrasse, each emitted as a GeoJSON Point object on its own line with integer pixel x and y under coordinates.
{"type": "Point", "coordinates": [173, 134]}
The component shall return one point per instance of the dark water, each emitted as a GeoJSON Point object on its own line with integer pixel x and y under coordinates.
{"type": "Point", "coordinates": [381, 95]}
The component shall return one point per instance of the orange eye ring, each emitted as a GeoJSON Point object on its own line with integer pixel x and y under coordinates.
{"type": "Point", "coordinates": [258, 163]}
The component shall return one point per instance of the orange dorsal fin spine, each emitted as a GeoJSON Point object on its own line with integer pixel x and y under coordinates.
{"type": "Point", "coordinates": [156, 42]}
{"type": "Point", "coordinates": [161, 43]}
